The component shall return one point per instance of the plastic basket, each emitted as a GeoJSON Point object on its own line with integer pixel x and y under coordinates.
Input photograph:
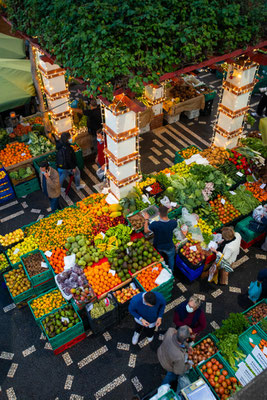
{"type": "Point", "coordinates": [244, 341]}
{"type": "Point", "coordinates": [44, 287]}
{"type": "Point", "coordinates": [100, 324]}
{"type": "Point", "coordinates": [192, 114]}
{"type": "Point", "coordinates": [7, 268]}
{"type": "Point", "coordinates": [44, 158]}
{"type": "Point", "coordinates": [128, 218]}
{"type": "Point", "coordinates": [19, 181]}
{"type": "Point", "coordinates": [210, 96]}
{"type": "Point", "coordinates": [175, 212]}
{"type": "Point", "coordinates": [64, 337]}
{"type": "Point", "coordinates": [22, 296]}
{"type": "Point", "coordinates": [43, 276]}
{"type": "Point", "coordinates": [188, 272]}
{"type": "Point", "coordinates": [11, 196]}
{"type": "Point", "coordinates": [7, 191]}
{"type": "Point", "coordinates": [251, 308]}
{"type": "Point", "coordinates": [188, 263]}
{"type": "Point", "coordinates": [38, 320]}
{"type": "Point", "coordinates": [5, 179]}
{"type": "Point", "coordinates": [123, 307]}
{"type": "Point", "coordinates": [27, 187]}
{"type": "Point", "coordinates": [168, 396]}
{"type": "Point", "coordinates": [226, 366]}
{"type": "Point", "coordinates": [178, 157]}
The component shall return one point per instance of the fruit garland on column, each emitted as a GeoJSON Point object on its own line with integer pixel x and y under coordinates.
{"type": "Point", "coordinates": [237, 88]}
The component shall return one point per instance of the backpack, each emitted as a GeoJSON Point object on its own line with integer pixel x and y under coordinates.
{"type": "Point", "coordinates": [254, 291]}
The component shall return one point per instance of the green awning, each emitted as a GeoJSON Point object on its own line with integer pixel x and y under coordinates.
{"type": "Point", "coordinates": [11, 47]}
{"type": "Point", "coordinates": [16, 86]}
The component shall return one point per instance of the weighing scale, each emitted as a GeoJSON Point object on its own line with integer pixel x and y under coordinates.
{"type": "Point", "coordinates": [198, 390]}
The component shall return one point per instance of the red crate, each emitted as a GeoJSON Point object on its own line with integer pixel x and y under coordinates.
{"type": "Point", "coordinates": [70, 344]}
{"type": "Point", "coordinates": [246, 245]}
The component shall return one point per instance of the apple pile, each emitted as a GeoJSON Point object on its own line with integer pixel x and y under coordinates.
{"type": "Point", "coordinates": [193, 252]}
{"type": "Point", "coordinates": [83, 294]}
{"type": "Point", "coordinates": [125, 294]}
{"type": "Point", "coordinates": [202, 351]}
{"type": "Point", "coordinates": [219, 378]}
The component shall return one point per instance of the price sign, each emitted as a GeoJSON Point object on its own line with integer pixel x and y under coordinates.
{"type": "Point", "coordinates": [148, 189]}
{"type": "Point", "coordinates": [239, 174]}
{"type": "Point", "coordinates": [48, 253]}
{"type": "Point", "coordinates": [252, 363]}
{"type": "Point", "coordinates": [222, 201]}
{"type": "Point", "coordinates": [111, 271]}
{"type": "Point", "coordinates": [23, 154]}
{"type": "Point", "coordinates": [44, 265]}
{"type": "Point", "coordinates": [173, 204]}
{"type": "Point", "coordinates": [65, 319]}
{"type": "Point", "coordinates": [193, 248]}
{"type": "Point", "coordinates": [233, 193]}
{"type": "Point", "coordinates": [260, 357]}
{"type": "Point", "coordinates": [16, 251]}
{"type": "Point", "coordinates": [59, 222]}
{"type": "Point", "coordinates": [263, 186]}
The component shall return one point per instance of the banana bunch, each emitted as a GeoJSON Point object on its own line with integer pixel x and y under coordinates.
{"type": "Point", "coordinates": [106, 245]}
{"type": "Point", "coordinates": [121, 232]}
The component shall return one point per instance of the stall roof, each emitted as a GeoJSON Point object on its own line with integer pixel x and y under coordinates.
{"type": "Point", "coordinates": [11, 47]}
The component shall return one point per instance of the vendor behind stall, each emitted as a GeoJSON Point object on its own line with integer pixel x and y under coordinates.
{"type": "Point", "coordinates": [191, 314]}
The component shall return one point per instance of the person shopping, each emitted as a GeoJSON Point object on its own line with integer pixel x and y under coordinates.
{"type": "Point", "coordinates": [147, 310]}
{"type": "Point", "coordinates": [50, 184]}
{"type": "Point", "coordinates": [226, 254]}
{"type": "Point", "coordinates": [173, 353]}
{"type": "Point", "coordinates": [66, 161]}
{"type": "Point", "coordinates": [191, 314]}
{"type": "Point", "coordinates": [163, 234]}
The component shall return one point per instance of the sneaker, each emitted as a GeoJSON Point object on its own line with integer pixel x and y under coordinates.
{"type": "Point", "coordinates": [135, 337]}
{"type": "Point", "coordinates": [80, 187]}
{"type": "Point", "coordinates": [255, 115]}
{"type": "Point", "coordinates": [150, 339]}
{"type": "Point", "coordinates": [62, 189]}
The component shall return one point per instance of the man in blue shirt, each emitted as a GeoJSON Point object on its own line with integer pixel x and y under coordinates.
{"type": "Point", "coordinates": [147, 310]}
{"type": "Point", "coordinates": [163, 233]}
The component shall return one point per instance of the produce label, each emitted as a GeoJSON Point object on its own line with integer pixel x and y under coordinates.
{"type": "Point", "coordinates": [193, 248]}
{"type": "Point", "coordinates": [239, 173]}
{"type": "Point", "coordinates": [233, 193]}
{"type": "Point", "coordinates": [111, 271]}
{"type": "Point", "coordinates": [243, 374]}
{"type": "Point", "coordinates": [222, 201]}
{"type": "Point", "coordinates": [103, 235]}
{"type": "Point", "coordinates": [256, 368]}
{"type": "Point", "coordinates": [265, 350]}
{"type": "Point", "coordinates": [44, 265]}
{"type": "Point", "coordinates": [48, 253]}
{"type": "Point", "coordinates": [254, 177]}
{"type": "Point", "coordinates": [63, 319]}
{"type": "Point", "coordinates": [259, 357]}
{"type": "Point", "coordinates": [23, 154]}
{"type": "Point", "coordinates": [173, 204]}
{"type": "Point", "coordinates": [168, 174]}
{"type": "Point", "coordinates": [263, 186]}
{"type": "Point", "coordinates": [59, 222]}
{"type": "Point", "coordinates": [148, 189]}
{"type": "Point", "coordinates": [107, 302]}
{"type": "Point", "coordinates": [16, 251]}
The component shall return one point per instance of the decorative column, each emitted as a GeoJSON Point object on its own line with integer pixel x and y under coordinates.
{"type": "Point", "coordinates": [155, 95]}
{"type": "Point", "coordinates": [122, 149]}
{"type": "Point", "coordinates": [57, 95]}
{"type": "Point", "coordinates": [237, 88]}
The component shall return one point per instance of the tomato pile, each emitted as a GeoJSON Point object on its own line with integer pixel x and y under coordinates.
{"type": "Point", "coordinates": [224, 209]}
{"type": "Point", "coordinates": [156, 188]}
{"type": "Point", "coordinates": [219, 378]}
{"type": "Point", "coordinates": [240, 162]}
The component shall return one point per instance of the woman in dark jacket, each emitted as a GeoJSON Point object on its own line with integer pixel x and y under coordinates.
{"type": "Point", "coordinates": [66, 161]}
{"type": "Point", "coordinates": [191, 314]}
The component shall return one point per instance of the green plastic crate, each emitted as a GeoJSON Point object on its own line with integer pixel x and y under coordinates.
{"type": "Point", "coordinates": [43, 276]}
{"type": "Point", "coordinates": [169, 396]}
{"type": "Point", "coordinates": [192, 375]}
{"type": "Point", "coordinates": [242, 228]}
{"type": "Point", "coordinates": [175, 212]}
{"type": "Point", "coordinates": [64, 337]}
{"type": "Point", "coordinates": [210, 336]}
{"type": "Point", "coordinates": [210, 96]}
{"type": "Point", "coordinates": [178, 157]}
{"type": "Point", "coordinates": [245, 336]}
{"type": "Point", "coordinates": [44, 287]}
{"type": "Point", "coordinates": [22, 296]}
{"type": "Point", "coordinates": [226, 366]}
{"type": "Point", "coordinates": [44, 158]}
{"type": "Point", "coordinates": [259, 325]}
{"type": "Point", "coordinates": [38, 320]}
{"type": "Point", "coordinates": [250, 308]}
{"type": "Point", "coordinates": [27, 187]}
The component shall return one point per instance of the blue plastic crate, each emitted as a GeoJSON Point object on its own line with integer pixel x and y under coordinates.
{"type": "Point", "coordinates": [191, 274]}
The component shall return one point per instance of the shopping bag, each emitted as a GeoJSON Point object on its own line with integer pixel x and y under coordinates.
{"type": "Point", "coordinates": [254, 291]}
{"type": "Point", "coordinates": [213, 273]}
{"type": "Point", "coordinates": [100, 174]}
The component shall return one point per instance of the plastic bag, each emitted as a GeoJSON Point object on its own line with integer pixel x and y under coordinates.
{"type": "Point", "coordinates": [69, 262]}
{"type": "Point", "coordinates": [188, 219]}
{"type": "Point", "coordinates": [259, 212]}
{"type": "Point", "coordinates": [254, 291]}
{"type": "Point", "coordinates": [213, 273]}
{"type": "Point", "coordinates": [179, 234]}
{"type": "Point", "coordinates": [100, 174]}
{"type": "Point", "coordinates": [166, 202]}
{"type": "Point", "coordinates": [196, 234]}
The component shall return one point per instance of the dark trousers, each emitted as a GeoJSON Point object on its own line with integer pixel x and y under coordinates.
{"type": "Point", "coordinates": [54, 204]}
{"type": "Point", "coordinates": [149, 332]}
{"type": "Point", "coordinates": [262, 105]}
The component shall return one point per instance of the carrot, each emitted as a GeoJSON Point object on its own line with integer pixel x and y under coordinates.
{"type": "Point", "coordinates": [254, 332]}
{"type": "Point", "coordinates": [252, 344]}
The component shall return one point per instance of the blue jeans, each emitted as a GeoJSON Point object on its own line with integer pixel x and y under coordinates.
{"type": "Point", "coordinates": [169, 378]}
{"type": "Point", "coordinates": [183, 381]}
{"type": "Point", "coordinates": [170, 255]}
{"type": "Point", "coordinates": [54, 204]}
{"type": "Point", "coordinates": [64, 173]}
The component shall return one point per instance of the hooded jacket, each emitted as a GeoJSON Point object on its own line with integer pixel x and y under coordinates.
{"type": "Point", "coordinates": [65, 157]}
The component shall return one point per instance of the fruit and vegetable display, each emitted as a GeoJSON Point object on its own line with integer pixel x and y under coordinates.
{"type": "Point", "coordinates": [102, 278]}
{"type": "Point", "coordinates": [35, 264]}
{"type": "Point", "coordinates": [255, 144]}
{"type": "Point", "coordinates": [148, 181]}
{"type": "Point", "coordinates": [215, 155]}
{"type": "Point", "coordinates": [101, 307]}
{"type": "Point", "coordinates": [49, 158]}
{"type": "Point", "coordinates": [147, 277]}
{"type": "Point", "coordinates": [57, 260]}
{"type": "Point", "coordinates": [4, 138]}
{"type": "Point", "coordinates": [125, 294]}
{"type": "Point", "coordinates": [240, 162]}
{"type": "Point", "coordinates": [28, 244]}
{"type": "Point", "coordinates": [243, 200]}
{"type": "Point", "coordinates": [263, 325]}
{"type": "Point", "coordinates": [139, 254]}
{"type": "Point", "coordinates": [20, 130]}
{"type": "Point", "coordinates": [115, 237]}
{"type": "Point", "coordinates": [188, 152]}
{"type": "Point", "coordinates": [14, 153]}
{"type": "Point", "coordinates": [258, 190]}
{"type": "Point", "coordinates": [17, 281]}
{"type": "Point", "coordinates": [220, 379]}
{"type": "Point", "coordinates": [59, 321]}
{"type": "Point", "coordinates": [181, 169]}
{"type": "Point", "coordinates": [257, 313]}
{"type": "Point", "coordinates": [86, 254]}
{"type": "Point", "coordinates": [203, 350]}
{"type": "Point", "coordinates": [21, 173]}
{"type": "Point", "coordinates": [39, 144]}
{"type": "Point", "coordinates": [209, 216]}
{"type": "Point", "coordinates": [224, 209]}
{"type": "Point", "coordinates": [12, 237]}
{"type": "Point", "coordinates": [82, 294]}
{"type": "Point", "coordinates": [229, 169]}
{"type": "Point", "coordinates": [184, 92]}
{"type": "Point", "coordinates": [46, 303]}
{"type": "Point", "coordinates": [193, 252]}
{"type": "Point", "coordinates": [137, 221]}
{"type": "Point", "coordinates": [230, 350]}
{"type": "Point", "coordinates": [154, 189]}
{"type": "Point", "coordinates": [4, 264]}
{"type": "Point", "coordinates": [72, 278]}
{"type": "Point", "coordinates": [236, 324]}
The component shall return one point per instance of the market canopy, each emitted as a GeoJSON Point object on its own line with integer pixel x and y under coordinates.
{"type": "Point", "coordinates": [15, 83]}
{"type": "Point", "coordinates": [11, 47]}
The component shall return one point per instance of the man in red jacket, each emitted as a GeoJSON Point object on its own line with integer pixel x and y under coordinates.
{"type": "Point", "coordinates": [100, 158]}
{"type": "Point", "coordinates": [190, 313]}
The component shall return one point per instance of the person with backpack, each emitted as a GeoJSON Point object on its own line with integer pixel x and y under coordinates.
{"type": "Point", "coordinates": [191, 314]}
{"type": "Point", "coordinates": [66, 161]}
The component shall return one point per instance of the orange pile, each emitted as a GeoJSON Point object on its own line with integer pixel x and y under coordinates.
{"type": "Point", "coordinates": [57, 260]}
{"type": "Point", "coordinates": [148, 276]}
{"type": "Point", "coordinates": [101, 279]}
{"type": "Point", "coordinates": [257, 191]}
{"type": "Point", "coordinates": [14, 153]}
{"type": "Point", "coordinates": [226, 212]}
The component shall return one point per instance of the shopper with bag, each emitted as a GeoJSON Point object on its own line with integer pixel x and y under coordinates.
{"type": "Point", "coordinates": [100, 158]}
{"type": "Point", "coordinates": [50, 184]}
{"type": "Point", "coordinates": [173, 353]}
{"type": "Point", "coordinates": [191, 314]}
{"type": "Point", "coordinates": [226, 255]}
{"type": "Point", "coordinates": [66, 161]}
{"type": "Point", "coordinates": [147, 310]}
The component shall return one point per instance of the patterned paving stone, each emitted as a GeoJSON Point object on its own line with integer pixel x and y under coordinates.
{"type": "Point", "coordinates": [261, 256]}
{"type": "Point", "coordinates": [110, 386]}
{"type": "Point", "coordinates": [174, 303]}
{"type": "Point", "coordinates": [239, 262]}
{"type": "Point", "coordinates": [214, 325]}
{"type": "Point", "coordinates": [48, 346]}
{"type": "Point", "coordinates": [201, 297]}
{"type": "Point", "coordinates": [6, 356]}
{"type": "Point", "coordinates": [11, 395]}
{"type": "Point", "coordinates": [76, 397]}
{"type": "Point", "coordinates": [217, 293]}
{"type": "Point", "coordinates": [154, 160]}
{"type": "Point", "coordinates": [137, 384]}
{"type": "Point", "coordinates": [123, 346]}
{"type": "Point", "coordinates": [67, 358]}
{"type": "Point", "coordinates": [143, 343]}
{"type": "Point", "coordinates": [68, 383]}
{"type": "Point", "coordinates": [181, 287]}
{"type": "Point", "coordinates": [209, 308]}
{"type": "Point", "coordinates": [132, 360]}
{"type": "Point", "coordinates": [12, 370]}
{"type": "Point", "coordinates": [35, 210]}
{"type": "Point", "coordinates": [29, 351]}
{"type": "Point", "coordinates": [92, 356]}
{"type": "Point", "coordinates": [234, 289]}
{"type": "Point", "coordinates": [9, 307]}
{"type": "Point", "coordinates": [107, 336]}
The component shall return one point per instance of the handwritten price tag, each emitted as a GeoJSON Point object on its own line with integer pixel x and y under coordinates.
{"type": "Point", "coordinates": [44, 265]}
{"type": "Point", "coordinates": [59, 222]}
{"type": "Point", "coordinates": [16, 251]}
{"type": "Point", "coordinates": [193, 248]}
{"type": "Point", "coordinates": [239, 173]}
{"type": "Point", "coordinates": [148, 189]}
{"type": "Point", "coordinates": [63, 319]}
{"type": "Point", "coordinates": [263, 186]}
{"type": "Point", "coordinates": [23, 154]}
{"type": "Point", "coordinates": [232, 192]}
{"type": "Point", "coordinates": [48, 253]}
{"type": "Point", "coordinates": [222, 201]}
{"type": "Point", "coordinates": [112, 272]}
{"type": "Point", "coordinates": [168, 174]}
